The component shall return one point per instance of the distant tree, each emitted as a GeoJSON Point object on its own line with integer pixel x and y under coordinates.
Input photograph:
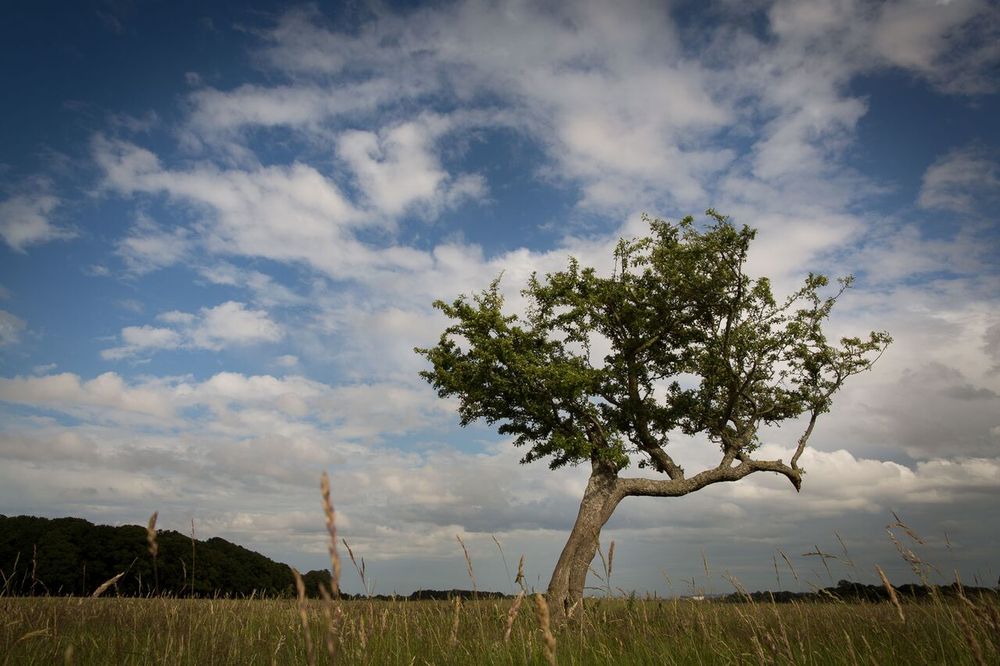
{"type": "Point", "coordinates": [694, 346]}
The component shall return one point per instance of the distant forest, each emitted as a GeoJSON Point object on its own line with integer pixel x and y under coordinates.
{"type": "Point", "coordinates": [71, 556]}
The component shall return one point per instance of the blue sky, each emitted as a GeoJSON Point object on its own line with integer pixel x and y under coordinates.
{"type": "Point", "coordinates": [222, 227]}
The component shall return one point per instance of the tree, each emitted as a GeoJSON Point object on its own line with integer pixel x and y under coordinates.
{"type": "Point", "coordinates": [695, 347]}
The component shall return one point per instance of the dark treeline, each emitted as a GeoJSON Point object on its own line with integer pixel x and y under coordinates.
{"type": "Point", "coordinates": [849, 591]}
{"type": "Point", "coordinates": [71, 556]}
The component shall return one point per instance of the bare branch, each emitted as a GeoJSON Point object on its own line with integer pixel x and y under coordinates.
{"type": "Point", "coordinates": [634, 487]}
{"type": "Point", "coordinates": [804, 439]}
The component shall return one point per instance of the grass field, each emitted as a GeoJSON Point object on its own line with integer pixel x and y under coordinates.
{"type": "Point", "coordinates": [54, 630]}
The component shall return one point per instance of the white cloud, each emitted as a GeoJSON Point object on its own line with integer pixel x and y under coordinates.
{"type": "Point", "coordinates": [64, 446]}
{"type": "Point", "coordinates": [889, 253]}
{"type": "Point", "coordinates": [176, 317]}
{"type": "Point", "coordinates": [287, 360]}
{"type": "Point", "coordinates": [231, 323]}
{"type": "Point", "coordinates": [264, 289]}
{"type": "Point", "coordinates": [217, 114]}
{"type": "Point", "coordinates": [621, 109]}
{"type": "Point", "coordinates": [397, 170]}
{"type": "Point", "coordinates": [67, 391]}
{"type": "Point", "coordinates": [11, 328]}
{"type": "Point", "coordinates": [149, 247]}
{"type": "Point", "coordinates": [216, 328]}
{"type": "Point", "coordinates": [952, 44]}
{"type": "Point", "coordinates": [964, 180]}
{"type": "Point", "coordinates": [241, 407]}
{"type": "Point", "coordinates": [25, 220]}
{"type": "Point", "coordinates": [582, 82]}
{"type": "Point", "coordinates": [838, 482]}
{"type": "Point", "coordinates": [290, 213]}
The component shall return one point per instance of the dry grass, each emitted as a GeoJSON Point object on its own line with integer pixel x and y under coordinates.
{"type": "Point", "coordinates": [103, 587]}
{"type": "Point", "coordinates": [41, 630]}
{"type": "Point", "coordinates": [331, 528]}
{"type": "Point", "coordinates": [892, 593]}
{"type": "Point", "coordinates": [549, 644]}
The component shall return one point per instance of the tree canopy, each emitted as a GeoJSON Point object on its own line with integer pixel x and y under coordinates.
{"type": "Point", "coordinates": [678, 339]}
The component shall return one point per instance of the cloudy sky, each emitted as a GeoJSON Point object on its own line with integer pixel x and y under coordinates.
{"type": "Point", "coordinates": [222, 226]}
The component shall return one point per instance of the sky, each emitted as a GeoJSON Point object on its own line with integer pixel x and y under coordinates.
{"type": "Point", "coordinates": [222, 226]}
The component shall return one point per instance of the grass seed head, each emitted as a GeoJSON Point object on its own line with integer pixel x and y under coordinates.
{"type": "Point", "coordinates": [549, 641]}
{"type": "Point", "coordinates": [154, 547]}
{"type": "Point", "coordinates": [892, 592]}
{"type": "Point", "coordinates": [331, 528]}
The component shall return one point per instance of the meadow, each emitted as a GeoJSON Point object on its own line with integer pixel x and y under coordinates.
{"type": "Point", "coordinates": [54, 630]}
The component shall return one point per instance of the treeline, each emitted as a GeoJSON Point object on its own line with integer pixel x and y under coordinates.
{"type": "Point", "coordinates": [72, 556]}
{"type": "Point", "coordinates": [849, 591]}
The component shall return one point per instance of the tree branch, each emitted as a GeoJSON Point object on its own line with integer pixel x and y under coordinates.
{"type": "Point", "coordinates": [646, 442]}
{"type": "Point", "coordinates": [634, 487]}
{"type": "Point", "coordinates": [804, 439]}
{"type": "Point", "coordinates": [662, 460]}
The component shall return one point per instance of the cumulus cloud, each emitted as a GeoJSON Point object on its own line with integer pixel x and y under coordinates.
{"type": "Point", "coordinates": [838, 482]}
{"type": "Point", "coordinates": [229, 324]}
{"type": "Point", "coordinates": [25, 220]}
{"type": "Point", "coordinates": [67, 391]}
{"type": "Point", "coordinates": [964, 180]}
{"type": "Point", "coordinates": [582, 73]}
{"type": "Point", "coordinates": [396, 168]}
{"type": "Point", "coordinates": [232, 323]}
{"type": "Point", "coordinates": [291, 214]}
{"type": "Point", "coordinates": [952, 44]}
{"type": "Point", "coordinates": [11, 328]}
{"type": "Point", "coordinates": [248, 405]}
{"type": "Point", "coordinates": [623, 112]}
{"type": "Point", "coordinates": [149, 247]}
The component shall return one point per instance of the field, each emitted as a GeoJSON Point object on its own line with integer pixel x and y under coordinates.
{"type": "Point", "coordinates": [53, 630]}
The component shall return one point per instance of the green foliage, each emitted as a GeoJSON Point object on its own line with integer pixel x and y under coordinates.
{"type": "Point", "coordinates": [695, 345]}
{"type": "Point", "coordinates": [72, 556]}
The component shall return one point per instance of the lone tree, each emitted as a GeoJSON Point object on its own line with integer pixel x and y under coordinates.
{"type": "Point", "coordinates": [696, 347]}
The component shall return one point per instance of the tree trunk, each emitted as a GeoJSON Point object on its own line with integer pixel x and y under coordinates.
{"type": "Point", "coordinates": [568, 579]}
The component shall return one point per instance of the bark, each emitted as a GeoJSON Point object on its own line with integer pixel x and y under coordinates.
{"type": "Point", "coordinates": [570, 575]}
{"type": "Point", "coordinates": [604, 491]}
